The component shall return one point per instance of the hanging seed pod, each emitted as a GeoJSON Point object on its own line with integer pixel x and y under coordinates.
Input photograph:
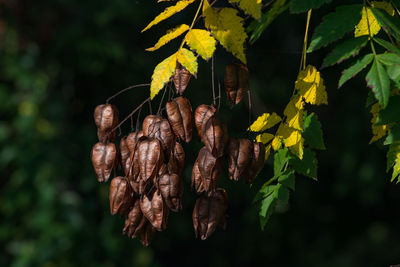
{"type": "Point", "coordinates": [180, 115]}
{"type": "Point", "coordinates": [236, 82]}
{"type": "Point", "coordinates": [149, 120]}
{"type": "Point", "coordinates": [240, 155]}
{"type": "Point", "coordinates": [179, 154]}
{"type": "Point", "coordinates": [121, 196]}
{"type": "Point", "coordinates": [147, 234]}
{"type": "Point", "coordinates": [135, 186]}
{"type": "Point", "coordinates": [209, 212]}
{"type": "Point", "coordinates": [103, 158]}
{"type": "Point", "coordinates": [132, 139]}
{"type": "Point", "coordinates": [133, 220]}
{"type": "Point", "coordinates": [149, 158]}
{"type": "Point", "coordinates": [105, 117]}
{"type": "Point", "coordinates": [125, 153]}
{"type": "Point", "coordinates": [210, 169]}
{"type": "Point", "coordinates": [202, 114]}
{"type": "Point", "coordinates": [181, 78]}
{"type": "Point", "coordinates": [256, 164]}
{"type": "Point", "coordinates": [215, 136]}
{"type": "Point", "coordinates": [106, 136]}
{"type": "Point", "coordinates": [171, 188]}
{"type": "Point", "coordinates": [197, 181]}
{"type": "Point", "coordinates": [159, 128]}
{"type": "Point", "coordinates": [155, 210]}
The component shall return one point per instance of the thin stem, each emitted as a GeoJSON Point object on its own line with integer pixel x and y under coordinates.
{"type": "Point", "coordinates": [271, 180]}
{"type": "Point", "coordinates": [212, 79]}
{"type": "Point", "coordinates": [150, 109]}
{"type": "Point", "coordinates": [137, 121]}
{"type": "Point", "coordinates": [193, 22]}
{"type": "Point", "coordinates": [304, 53]}
{"type": "Point", "coordinates": [126, 89]}
{"type": "Point", "coordinates": [162, 99]}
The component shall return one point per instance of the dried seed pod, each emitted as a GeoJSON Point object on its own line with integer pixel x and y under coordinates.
{"type": "Point", "coordinates": [121, 196]}
{"type": "Point", "coordinates": [256, 164]}
{"type": "Point", "coordinates": [202, 114]}
{"type": "Point", "coordinates": [181, 78]}
{"type": "Point", "coordinates": [209, 212]}
{"type": "Point", "coordinates": [149, 120]}
{"type": "Point", "coordinates": [125, 153]}
{"type": "Point", "coordinates": [215, 136]}
{"type": "Point", "coordinates": [132, 139]}
{"type": "Point", "coordinates": [159, 128]}
{"type": "Point", "coordinates": [147, 234]}
{"type": "Point", "coordinates": [135, 186]}
{"type": "Point", "coordinates": [106, 136]}
{"type": "Point", "coordinates": [210, 169]}
{"type": "Point", "coordinates": [133, 220]}
{"type": "Point", "coordinates": [105, 117]}
{"type": "Point", "coordinates": [103, 158]}
{"type": "Point", "coordinates": [197, 181]}
{"type": "Point", "coordinates": [171, 188]}
{"type": "Point", "coordinates": [179, 155]}
{"type": "Point", "coordinates": [149, 158]}
{"type": "Point", "coordinates": [236, 82]}
{"type": "Point", "coordinates": [240, 155]}
{"type": "Point", "coordinates": [155, 210]}
{"type": "Point", "coordinates": [179, 113]}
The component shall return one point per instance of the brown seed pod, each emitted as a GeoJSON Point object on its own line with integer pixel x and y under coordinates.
{"type": "Point", "coordinates": [132, 139]}
{"type": "Point", "coordinates": [106, 136]}
{"type": "Point", "coordinates": [181, 78]}
{"type": "Point", "coordinates": [171, 188]}
{"type": "Point", "coordinates": [240, 155]}
{"type": "Point", "coordinates": [236, 82]}
{"type": "Point", "coordinates": [202, 114]}
{"type": "Point", "coordinates": [147, 234]}
{"type": "Point", "coordinates": [125, 154]}
{"type": "Point", "coordinates": [135, 186]}
{"type": "Point", "coordinates": [155, 210]}
{"type": "Point", "coordinates": [103, 158]}
{"type": "Point", "coordinates": [105, 117]}
{"type": "Point", "coordinates": [121, 196]}
{"type": "Point", "coordinates": [149, 120]}
{"type": "Point", "coordinates": [159, 128]}
{"type": "Point", "coordinates": [179, 155]}
{"type": "Point", "coordinates": [215, 136]}
{"type": "Point", "coordinates": [133, 220]}
{"type": "Point", "coordinates": [149, 158]}
{"type": "Point", "coordinates": [256, 164]}
{"type": "Point", "coordinates": [209, 212]}
{"type": "Point", "coordinates": [180, 115]}
{"type": "Point", "coordinates": [210, 169]}
{"type": "Point", "coordinates": [197, 181]}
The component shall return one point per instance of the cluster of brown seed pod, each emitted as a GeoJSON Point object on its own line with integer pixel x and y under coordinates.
{"type": "Point", "coordinates": [152, 163]}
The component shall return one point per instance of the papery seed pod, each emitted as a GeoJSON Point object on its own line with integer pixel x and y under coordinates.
{"type": "Point", "coordinates": [215, 136]}
{"type": "Point", "coordinates": [256, 163]}
{"type": "Point", "coordinates": [210, 169]}
{"type": "Point", "coordinates": [171, 188]}
{"type": "Point", "coordinates": [135, 186]}
{"type": "Point", "coordinates": [209, 212]}
{"type": "Point", "coordinates": [125, 153]}
{"type": "Point", "coordinates": [236, 82]}
{"type": "Point", "coordinates": [106, 117]}
{"type": "Point", "coordinates": [149, 120]}
{"type": "Point", "coordinates": [147, 234]}
{"type": "Point", "coordinates": [103, 158]}
{"type": "Point", "coordinates": [180, 115]}
{"type": "Point", "coordinates": [202, 114]}
{"type": "Point", "coordinates": [133, 220]}
{"type": "Point", "coordinates": [121, 196]}
{"type": "Point", "coordinates": [149, 158]}
{"type": "Point", "coordinates": [179, 154]}
{"type": "Point", "coordinates": [197, 181]}
{"type": "Point", "coordinates": [240, 155]}
{"type": "Point", "coordinates": [181, 78]}
{"type": "Point", "coordinates": [160, 129]}
{"type": "Point", "coordinates": [154, 210]}
{"type": "Point", "coordinates": [132, 139]}
{"type": "Point", "coordinates": [106, 136]}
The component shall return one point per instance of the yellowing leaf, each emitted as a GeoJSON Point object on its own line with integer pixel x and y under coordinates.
{"type": "Point", "coordinates": [298, 149]}
{"type": "Point", "coordinates": [264, 122]}
{"type": "Point", "coordinates": [276, 143]}
{"type": "Point", "coordinates": [227, 28]}
{"type": "Point", "coordinates": [264, 138]}
{"type": "Point", "coordinates": [188, 60]}
{"type": "Point", "coordinates": [170, 35]}
{"type": "Point", "coordinates": [385, 6]}
{"type": "Point", "coordinates": [289, 136]}
{"type": "Point", "coordinates": [294, 114]}
{"type": "Point", "coordinates": [250, 7]}
{"type": "Point", "coordinates": [168, 12]}
{"type": "Point", "coordinates": [267, 152]}
{"type": "Point", "coordinates": [202, 42]}
{"type": "Point", "coordinates": [311, 86]}
{"type": "Point", "coordinates": [368, 24]}
{"type": "Point", "coordinates": [378, 131]}
{"type": "Point", "coordinates": [161, 75]}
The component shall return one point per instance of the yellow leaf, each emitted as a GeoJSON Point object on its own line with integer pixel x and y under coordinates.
{"type": "Point", "coordinates": [385, 6]}
{"type": "Point", "coordinates": [294, 114]}
{"type": "Point", "coordinates": [188, 60]}
{"type": "Point", "coordinates": [267, 152]}
{"type": "Point", "coordinates": [298, 149]}
{"type": "Point", "coordinates": [202, 42]}
{"type": "Point", "coordinates": [264, 122]}
{"type": "Point", "coordinates": [289, 136]}
{"type": "Point", "coordinates": [378, 131]}
{"type": "Point", "coordinates": [276, 143]}
{"type": "Point", "coordinates": [162, 73]}
{"type": "Point", "coordinates": [227, 28]}
{"type": "Point", "coordinates": [264, 138]}
{"type": "Point", "coordinates": [311, 86]}
{"type": "Point", "coordinates": [368, 24]}
{"type": "Point", "coordinates": [250, 7]}
{"type": "Point", "coordinates": [168, 12]}
{"type": "Point", "coordinates": [170, 35]}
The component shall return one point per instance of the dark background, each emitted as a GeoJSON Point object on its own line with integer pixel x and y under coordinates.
{"type": "Point", "coordinates": [61, 58]}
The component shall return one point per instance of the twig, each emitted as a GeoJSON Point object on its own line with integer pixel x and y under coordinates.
{"type": "Point", "coordinates": [219, 94]}
{"type": "Point", "coordinates": [126, 89]}
{"type": "Point", "coordinates": [250, 106]}
{"type": "Point", "coordinates": [212, 78]}
{"type": "Point", "coordinates": [162, 99]}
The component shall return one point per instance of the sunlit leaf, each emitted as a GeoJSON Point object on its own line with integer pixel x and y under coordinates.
{"type": "Point", "coordinates": [250, 7]}
{"type": "Point", "coordinates": [378, 131]}
{"type": "Point", "coordinates": [264, 138]}
{"type": "Point", "coordinates": [201, 42]}
{"type": "Point", "coordinates": [368, 25]}
{"type": "Point", "coordinates": [264, 122]}
{"type": "Point", "coordinates": [170, 35]}
{"type": "Point", "coordinates": [311, 86]}
{"type": "Point", "coordinates": [161, 75]}
{"type": "Point", "coordinates": [188, 60]}
{"type": "Point", "coordinates": [294, 113]}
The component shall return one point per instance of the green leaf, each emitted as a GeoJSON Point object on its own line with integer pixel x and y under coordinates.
{"type": "Point", "coordinates": [393, 135]}
{"type": "Point", "coordinates": [386, 45]}
{"type": "Point", "coordinates": [394, 73]}
{"type": "Point", "coordinates": [281, 157]}
{"type": "Point", "coordinates": [392, 24]}
{"type": "Point", "coordinates": [265, 190]}
{"type": "Point", "coordinates": [389, 59]}
{"type": "Point", "coordinates": [298, 6]}
{"type": "Point", "coordinates": [313, 133]}
{"type": "Point", "coordinates": [335, 25]}
{"type": "Point", "coordinates": [307, 166]}
{"type": "Point", "coordinates": [378, 80]}
{"type": "Point", "coordinates": [349, 73]}
{"type": "Point", "coordinates": [283, 194]}
{"type": "Point", "coordinates": [391, 113]}
{"type": "Point", "coordinates": [391, 156]}
{"type": "Point", "coordinates": [287, 179]}
{"type": "Point", "coordinates": [268, 204]}
{"type": "Point", "coordinates": [343, 51]}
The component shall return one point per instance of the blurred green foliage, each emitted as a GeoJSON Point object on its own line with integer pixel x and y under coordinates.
{"type": "Point", "coordinates": [59, 59]}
